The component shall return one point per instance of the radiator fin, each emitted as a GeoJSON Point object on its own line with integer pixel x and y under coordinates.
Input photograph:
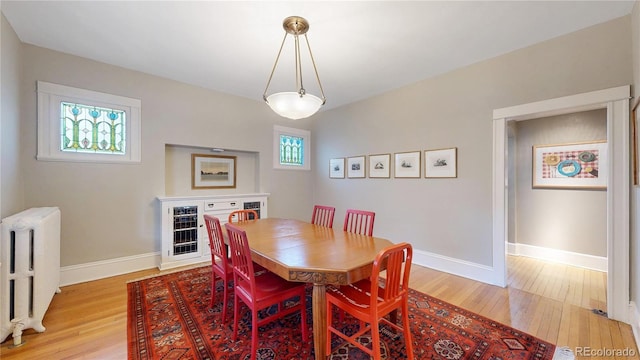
{"type": "Point", "coordinates": [12, 253]}
{"type": "Point", "coordinates": [31, 250]}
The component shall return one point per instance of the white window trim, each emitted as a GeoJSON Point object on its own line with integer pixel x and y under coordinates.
{"type": "Point", "coordinates": [305, 134]}
{"type": "Point", "coordinates": [49, 138]}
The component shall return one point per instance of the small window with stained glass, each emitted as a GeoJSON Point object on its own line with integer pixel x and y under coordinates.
{"type": "Point", "coordinates": [83, 125]}
{"type": "Point", "coordinates": [92, 129]}
{"type": "Point", "coordinates": [291, 148]}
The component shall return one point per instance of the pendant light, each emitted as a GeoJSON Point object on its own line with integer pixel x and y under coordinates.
{"type": "Point", "coordinates": [296, 104]}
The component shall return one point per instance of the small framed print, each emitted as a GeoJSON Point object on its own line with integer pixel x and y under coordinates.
{"type": "Point", "coordinates": [213, 171]}
{"type": "Point", "coordinates": [336, 168]}
{"type": "Point", "coordinates": [380, 166]}
{"type": "Point", "coordinates": [407, 164]}
{"type": "Point", "coordinates": [441, 163]}
{"type": "Point", "coordinates": [356, 167]}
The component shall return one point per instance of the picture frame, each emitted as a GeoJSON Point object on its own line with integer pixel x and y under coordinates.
{"type": "Point", "coordinates": [571, 166]}
{"type": "Point", "coordinates": [407, 164]}
{"type": "Point", "coordinates": [441, 163]}
{"type": "Point", "coordinates": [380, 166]}
{"type": "Point", "coordinates": [356, 167]}
{"type": "Point", "coordinates": [213, 171]}
{"type": "Point", "coordinates": [336, 168]}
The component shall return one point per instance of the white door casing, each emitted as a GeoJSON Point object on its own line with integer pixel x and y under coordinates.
{"type": "Point", "coordinates": [616, 101]}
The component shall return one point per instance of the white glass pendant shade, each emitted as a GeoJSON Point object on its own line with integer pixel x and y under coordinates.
{"type": "Point", "coordinates": [293, 106]}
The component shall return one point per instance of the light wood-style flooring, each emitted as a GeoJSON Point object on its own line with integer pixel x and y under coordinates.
{"type": "Point", "coordinates": [550, 301]}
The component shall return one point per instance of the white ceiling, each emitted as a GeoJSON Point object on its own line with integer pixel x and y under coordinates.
{"type": "Point", "coordinates": [361, 48]}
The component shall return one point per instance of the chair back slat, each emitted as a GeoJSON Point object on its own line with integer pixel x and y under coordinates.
{"type": "Point", "coordinates": [240, 256]}
{"type": "Point", "coordinates": [243, 215]}
{"type": "Point", "coordinates": [359, 221]}
{"type": "Point", "coordinates": [323, 215]}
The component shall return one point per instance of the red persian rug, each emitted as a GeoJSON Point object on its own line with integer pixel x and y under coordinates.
{"type": "Point", "coordinates": [168, 317]}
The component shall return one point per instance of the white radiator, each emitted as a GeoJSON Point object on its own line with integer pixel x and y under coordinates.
{"type": "Point", "coordinates": [29, 270]}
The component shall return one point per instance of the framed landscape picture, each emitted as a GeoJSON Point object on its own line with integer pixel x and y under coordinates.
{"type": "Point", "coordinates": [213, 171]}
{"type": "Point", "coordinates": [336, 168]}
{"type": "Point", "coordinates": [407, 164]}
{"type": "Point", "coordinates": [356, 167]}
{"type": "Point", "coordinates": [571, 166]}
{"type": "Point", "coordinates": [441, 163]}
{"type": "Point", "coordinates": [380, 166]}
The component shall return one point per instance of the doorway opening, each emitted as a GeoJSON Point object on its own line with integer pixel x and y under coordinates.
{"type": "Point", "coordinates": [558, 223]}
{"type": "Point", "coordinates": [615, 103]}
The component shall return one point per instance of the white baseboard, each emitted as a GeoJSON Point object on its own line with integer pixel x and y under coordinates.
{"type": "Point", "coordinates": [592, 262]}
{"type": "Point", "coordinates": [634, 315]}
{"type": "Point", "coordinates": [467, 269]}
{"type": "Point", "coordinates": [75, 274]}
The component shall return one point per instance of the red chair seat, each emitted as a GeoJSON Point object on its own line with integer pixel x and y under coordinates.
{"type": "Point", "coordinates": [269, 288]}
{"type": "Point", "coordinates": [221, 264]}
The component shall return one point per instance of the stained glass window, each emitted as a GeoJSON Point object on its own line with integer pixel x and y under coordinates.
{"type": "Point", "coordinates": [291, 150]}
{"type": "Point", "coordinates": [92, 129]}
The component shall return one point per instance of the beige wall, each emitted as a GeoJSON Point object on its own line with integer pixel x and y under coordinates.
{"type": "Point", "coordinates": [563, 219]}
{"type": "Point", "coordinates": [110, 210]}
{"type": "Point", "coordinates": [453, 217]}
{"type": "Point", "coordinates": [11, 180]}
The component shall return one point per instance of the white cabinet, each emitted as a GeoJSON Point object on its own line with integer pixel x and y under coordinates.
{"type": "Point", "coordinates": [184, 236]}
{"type": "Point", "coordinates": [182, 233]}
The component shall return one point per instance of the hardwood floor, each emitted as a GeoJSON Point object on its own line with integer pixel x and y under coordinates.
{"type": "Point", "coordinates": [568, 284]}
{"type": "Point", "coordinates": [550, 301]}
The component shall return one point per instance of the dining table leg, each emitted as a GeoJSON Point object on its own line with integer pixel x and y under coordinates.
{"type": "Point", "coordinates": [319, 307]}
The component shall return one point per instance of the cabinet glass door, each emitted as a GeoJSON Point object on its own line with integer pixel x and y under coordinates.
{"type": "Point", "coordinates": [185, 230]}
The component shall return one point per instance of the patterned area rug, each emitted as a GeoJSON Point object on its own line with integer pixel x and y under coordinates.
{"type": "Point", "coordinates": [169, 318]}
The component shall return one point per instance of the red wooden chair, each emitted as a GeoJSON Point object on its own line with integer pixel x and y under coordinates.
{"type": "Point", "coordinates": [269, 290]}
{"type": "Point", "coordinates": [359, 221]}
{"type": "Point", "coordinates": [371, 300]}
{"type": "Point", "coordinates": [323, 215]}
{"type": "Point", "coordinates": [220, 263]}
{"type": "Point", "coordinates": [243, 215]}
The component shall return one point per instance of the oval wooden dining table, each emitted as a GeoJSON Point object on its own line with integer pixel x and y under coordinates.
{"type": "Point", "coordinates": [300, 251]}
